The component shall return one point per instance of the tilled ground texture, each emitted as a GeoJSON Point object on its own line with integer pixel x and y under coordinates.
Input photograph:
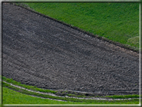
{"type": "Point", "coordinates": [41, 52]}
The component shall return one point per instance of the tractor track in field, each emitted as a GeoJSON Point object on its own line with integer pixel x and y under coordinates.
{"type": "Point", "coordinates": [42, 52]}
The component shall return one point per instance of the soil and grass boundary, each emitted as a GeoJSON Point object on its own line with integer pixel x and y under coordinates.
{"type": "Point", "coordinates": [21, 98]}
{"type": "Point", "coordinates": [64, 95]}
{"type": "Point", "coordinates": [127, 47]}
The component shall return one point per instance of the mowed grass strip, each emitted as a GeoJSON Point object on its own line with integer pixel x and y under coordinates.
{"type": "Point", "coordinates": [12, 97]}
{"type": "Point", "coordinates": [34, 88]}
{"type": "Point", "coordinates": [118, 22]}
{"type": "Point", "coordinates": [68, 100]}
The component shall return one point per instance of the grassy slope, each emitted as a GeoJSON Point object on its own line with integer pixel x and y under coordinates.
{"type": "Point", "coordinates": [118, 22]}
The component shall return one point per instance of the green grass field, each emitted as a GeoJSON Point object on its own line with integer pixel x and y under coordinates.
{"type": "Point", "coordinates": [118, 22]}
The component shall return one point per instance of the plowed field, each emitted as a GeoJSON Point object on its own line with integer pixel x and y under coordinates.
{"type": "Point", "coordinates": [42, 52]}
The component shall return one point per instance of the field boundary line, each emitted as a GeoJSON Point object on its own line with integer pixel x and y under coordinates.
{"type": "Point", "coordinates": [78, 29]}
{"type": "Point", "coordinates": [51, 94]}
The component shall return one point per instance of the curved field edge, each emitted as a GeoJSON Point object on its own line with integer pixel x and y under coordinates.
{"type": "Point", "coordinates": [115, 24]}
{"type": "Point", "coordinates": [20, 98]}
{"type": "Point", "coordinates": [132, 101]}
{"type": "Point", "coordinates": [64, 93]}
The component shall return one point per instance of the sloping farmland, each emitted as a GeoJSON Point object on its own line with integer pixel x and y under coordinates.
{"type": "Point", "coordinates": [42, 52]}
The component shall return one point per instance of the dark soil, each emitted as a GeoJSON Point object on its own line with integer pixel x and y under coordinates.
{"type": "Point", "coordinates": [39, 51]}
